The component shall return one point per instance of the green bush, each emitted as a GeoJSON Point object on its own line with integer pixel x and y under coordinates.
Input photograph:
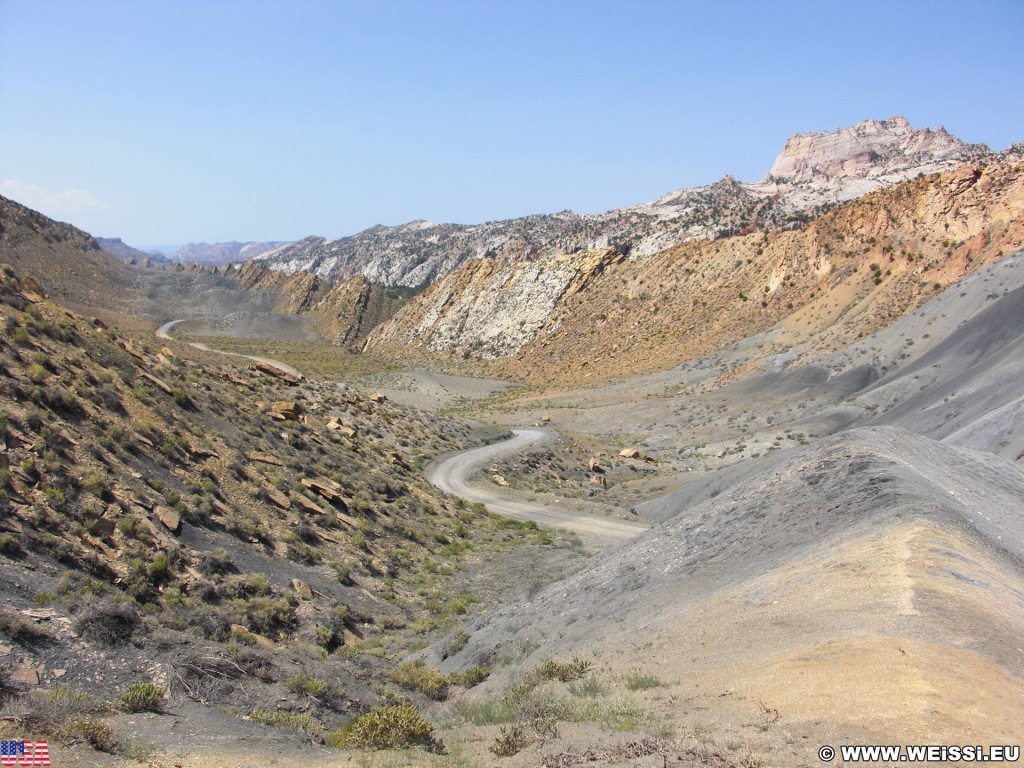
{"type": "Point", "coordinates": [455, 644]}
{"type": "Point", "coordinates": [469, 678]}
{"type": "Point", "coordinates": [417, 676]}
{"type": "Point", "coordinates": [278, 718]}
{"type": "Point", "coordinates": [387, 728]}
{"type": "Point", "coordinates": [306, 685]}
{"type": "Point", "coordinates": [564, 671]}
{"type": "Point", "coordinates": [637, 682]}
{"type": "Point", "coordinates": [21, 630]}
{"type": "Point", "coordinates": [141, 697]}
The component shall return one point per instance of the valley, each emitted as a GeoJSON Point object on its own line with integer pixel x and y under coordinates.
{"type": "Point", "coordinates": [715, 480]}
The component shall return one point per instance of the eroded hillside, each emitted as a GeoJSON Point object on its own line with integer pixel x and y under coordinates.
{"type": "Point", "coordinates": [845, 274]}
{"type": "Point", "coordinates": [237, 538]}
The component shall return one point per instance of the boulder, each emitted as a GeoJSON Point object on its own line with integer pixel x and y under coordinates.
{"type": "Point", "coordinates": [103, 528]}
{"type": "Point", "coordinates": [598, 480]}
{"type": "Point", "coordinates": [160, 384]}
{"type": "Point", "coordinates": [307, 505]}
{"type": "Point", "coordinates": [264, 458]}
{"type": "Point", "coordinates": [377, 397]}
{"type": "Point", "coordinates": [170, 519]}
{"type": "Point", "coordinates": [595, 466]}
{"type": "Point", "coordinates": [285, 410]}
{"type": "Point", "coordinates": [629, 453]}
{"type": "Point", "coordinates": [327, 489]}
{"type": "Point", "coordinates": [276, 497]}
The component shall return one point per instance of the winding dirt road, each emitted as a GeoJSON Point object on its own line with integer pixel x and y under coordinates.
{"type": "Point", "coordinates": [164, 332]}
{"type": "Point", "coordinates": [450, 475]}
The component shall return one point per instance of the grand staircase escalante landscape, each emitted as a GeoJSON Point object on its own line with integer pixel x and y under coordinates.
{"type": "Point", "coordinates": [724, 479]}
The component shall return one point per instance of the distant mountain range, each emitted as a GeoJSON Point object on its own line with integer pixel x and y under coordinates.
{"type": "Point", "coordinates": [115, 246]}
{"type": "Point", "coordinates": [813, 170]}
{"type": "Point", "coordinates": [214, 254]}
{"type": "Point", "coordinates": [223, 253]}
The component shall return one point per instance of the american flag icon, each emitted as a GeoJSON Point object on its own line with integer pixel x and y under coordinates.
{"type": "Point", "coordinates": [19, 752]}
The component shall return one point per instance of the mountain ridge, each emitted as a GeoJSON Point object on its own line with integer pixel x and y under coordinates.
{"type": "Point", "coordinates": [813, 169]}
{"type": "Point", "coordinates": [845, 273]}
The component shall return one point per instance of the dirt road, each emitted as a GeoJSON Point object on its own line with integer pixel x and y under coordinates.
{"type": "Point", "coordinates": [450, 475]}
{"type": "Point", "coordinates": [164, 332]}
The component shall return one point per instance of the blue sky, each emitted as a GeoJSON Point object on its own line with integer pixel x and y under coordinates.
{"type": "Point", "coordinates": [166, 122]}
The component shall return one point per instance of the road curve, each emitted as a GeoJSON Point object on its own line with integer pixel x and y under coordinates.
{"type": "Point", "coordinates": [449, 474]}
{"type": "Point", "coordinates": [164, 332]}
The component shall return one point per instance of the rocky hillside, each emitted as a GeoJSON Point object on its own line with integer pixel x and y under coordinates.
{"type": "Point", "coordinates": [847, 273]}
{"type": "Point", "coordinates": [343, 313]}
{"type": "Point", "coordinates": [238, 540]}
{"type": "Point", "coordinates": [63, 259]}
{"type": "Point", "coordinates": [813, 169]}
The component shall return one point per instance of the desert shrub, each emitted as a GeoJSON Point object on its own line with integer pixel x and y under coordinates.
{"type": "Point", "coordinates": [303, 553]}
{"type": "Point", "coordinates": [325, 693]}
{"type": "Point", "coordinates": [216, 562]}
{"type": "Point", "coordinates": [417, 676]}
{"type": "Point", "coordinates": [471, 677]}
{"type": "Point", "coordinates": [36, 373]}
{"type": "Point", "coordinates": [638, 682]}
{"type": "Point", "coordinates": [306, 685]}
{"type": "Point", "coordinates": [108, 622]}
{"type": "Point", "coordinates": [108, 398]}
{"type": "Point", "coordinates": [210, 622]}
{"type": "Point", "coordinates": [64, 714]}
{"type": "Point", "coordinates": [279, 718]}
{"type": "Point", "coordinates": [94, 732]}
{"type": "Point", "coordinates": [141, 697]}
{"type": "Point", "coordinates": [19, 629]}
{"type": "Point", "coordinates": [511, 741]}
{"type": "Point", "coordinates": [9, 545]}
{"type": "Point", "coordinates": [253, 661]}
{"type": "Point", "coordinates": [330, 635]}
{"type": "Point", "coordinates": [263, 614]}
{"type": "Point", "coordinates": [96, 483]}
{"type": "Point", "coordinates": [564, 671]}
{"type": "Point", "coordinates": [588, 687]}
{"type": "Point", "coordinates": [392, 727]}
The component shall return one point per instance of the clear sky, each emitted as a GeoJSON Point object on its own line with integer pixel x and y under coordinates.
{"type": "Point", "coordinates": [191, 120]}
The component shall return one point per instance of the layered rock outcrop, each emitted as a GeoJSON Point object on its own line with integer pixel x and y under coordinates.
{"type": "Point", "coordinates": [813, 169]}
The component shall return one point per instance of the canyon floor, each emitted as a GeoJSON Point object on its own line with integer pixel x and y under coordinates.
{"type": "Point", "coordinates": [834, 555]}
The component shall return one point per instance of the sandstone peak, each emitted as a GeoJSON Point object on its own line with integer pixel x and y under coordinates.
{"type": "Point", "coordinates": [819, 167]}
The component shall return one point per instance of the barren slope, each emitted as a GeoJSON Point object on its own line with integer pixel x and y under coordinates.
{"type": "Point", "coordinates": [869, 587]}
